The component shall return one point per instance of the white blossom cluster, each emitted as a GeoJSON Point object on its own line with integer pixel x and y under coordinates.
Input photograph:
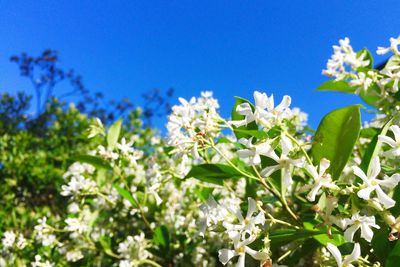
{"type": "Point", "coordinates": [260, 195]}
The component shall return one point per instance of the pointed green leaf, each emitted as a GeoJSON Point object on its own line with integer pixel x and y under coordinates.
{"type": "Point", "coordinates": [126, 194]}
{"type": "Point", "coordinates": [113, 134]}
{"type": "Point", "coordinates": [213, 173]}
{"type": "Point", "coordinates": [335, 138]}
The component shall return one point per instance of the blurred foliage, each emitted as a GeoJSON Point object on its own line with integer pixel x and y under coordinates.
{"type": "Point", "coordinates": [37, 147]}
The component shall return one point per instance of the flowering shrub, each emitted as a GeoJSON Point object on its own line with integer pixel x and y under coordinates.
{"type": "Point", "coordinates": [259, 189]}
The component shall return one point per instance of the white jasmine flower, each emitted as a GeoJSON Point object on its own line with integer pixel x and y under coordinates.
{"type": "Point", "coordinates": [38, 262]}
{"type": "Point", "coordinates": [74, 255]}
{"type": "Point", "coordinates": [346, 262]}
{"type": "Point", "coordinates": [394, 144]}
{"type": "Point", "coordinates": [240, 249]}
{"type": "Point", "coordinates": [393, 75]}
{"type": "Point", "coordinates": [9, 238]}
{"type": "Point", "coordinates": [125, 147]}
{"type": "Point", "coordinates": [394, 43]}
{"type": "Point", "coordinates": [321, 179]}
{"type": "Point", "coordinates": [249, 224]}
{"type": "Point", "coordinates": [363, 222]}
{"type": "Point", "coordinates": [74, 224]}
{"type": "Point", "coordinates": [284, 162]}
{"type": "Point", "coordinates": [265, 111]}
{"type": "Point", "coordinates": [343, 58]}
{"type": "Point", "coordinates": [107, 153]}
{"type": "Point", "coordinates": [363, 80]}
{"type": "Point", "coordinates": [21, 242]}
{"type": "Point", "coordinates": [372, 184]}
{"type": "Point", "coordinates": [253, 151]}
{"type": "Point", "coordinates": [78, 184]}
{"type": "Point", "coordinates": [211, 214]}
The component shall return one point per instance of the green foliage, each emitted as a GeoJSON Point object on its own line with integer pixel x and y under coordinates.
{"type": "Point", "coordinates": [335, 138]}
{"type": "Point", "coordinates": [213, 173]}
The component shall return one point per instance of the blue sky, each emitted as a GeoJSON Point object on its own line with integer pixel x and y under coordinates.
{"type": "Point", "coordinates": [124, 48]}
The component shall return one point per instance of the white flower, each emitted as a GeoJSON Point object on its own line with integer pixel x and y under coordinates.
{"type": "Point", "coordinates": [192, 122]}
{"type": "Point", "coordinates": [134, 248]}
{"type": "Point", "coordinates": [249, 224]}
{"type": "Point", "coordinates": [346, 262]}
{"type": "Point", "coordinates": [78, 184]}
{"type": "Point", "coordinates": [125, 147]}
{"type": "Point", "coordinates": [394, 43]}
{"type": "Point", "coordinates": [321, 179]}
{"type": "Point", "coordinates": [21, 242]}
{"type": "Point", "coordinates": [342, 57]}
{"type": "Point", "coordinates": [38, 262]}
{"type": "Point", "coordinates": [363, 222]}
{"type": "Point", "coordinates": [394, 144]}
{"type": "Point", "coordinates": [9, 238]}
{"type": "Point", "coordinates": [372, 184]}
{"type": "Point", "coordinates": [240, 249]}
{"type": "Point", "coordinates": [211, 214]}
{"type": "Point", "coordinates": [393, 74]}
{"type": "Point", "coordinates": [254, 151]}
{"type": "Point", "coordinates": [107, 153]}
{"type": "Point", "coordinates": [74, 224]}
{"type": "Point", "coordinates": [265, 111]}
{"type": "Point", "coordinates": [74, 255]}
{"type": "Point", "coordinates": [363, 80]}
{"type": "Point", "coordinates": [284, 162]}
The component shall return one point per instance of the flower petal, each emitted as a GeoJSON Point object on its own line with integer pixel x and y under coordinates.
{"type": "Point", "coordinates": [225, 255]}
{"type": "Point", "coordinates": [366, 192]}
{"type": "Point", "coordinates": [357, 171]}
{"type": "Point", "coordinates": [335, 253]}
{"type": "Point", "coordinates": [375, 168]}
{"type": "Point", "coordinates": [396, 131]}
{"type": "Point", "coordinates": [387, 140]}
{"type": "Point", "coordinates": [355, 254]}
{"type": "Point", "coordinates": [384, 199]}
{"type": "Point", "coordinates": [257, 255]}
{"type": "Point", "coordinates": [349, 233]}
{"type": "Point", "coordinates": [366, 232]}
{"type": "Point", "coordinates": [252, 207]}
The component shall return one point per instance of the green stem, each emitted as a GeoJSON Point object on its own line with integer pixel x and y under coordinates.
{"type": "Point", "coordinates": [300, 146]}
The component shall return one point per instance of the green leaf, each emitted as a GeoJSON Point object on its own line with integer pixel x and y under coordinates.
{"type": "Point", "coordinates": [372, 95]}
{"type": "Point", "coordinates": [335, 138]}
{"type": "Point", "coordinates": [237, 117]}
{"type": "Point", "coordinates": [251, 133]}
{"type": "Point", "coordinates": [113, 134]}
{"type": "Point", "coordinates": [213, 173]}
{"type": "Point", "coordinates": [161, 237]}
{"type": "Point", "coordinates": [374, 147]}
{"type": "Point", "coordinates": [126, 194]}
{"type": "Point", "coordinates": [394, 256]}
{"type": "Point", "coordinates": [380, 243]}
{"type": "Point", "coordinates": [105, 242]}
{"type": "Point", "coordinates": [337, 238]}
{"type": "Point", "coordinates": [281, 237]}
{"type": "Point", "coordinates": [93, 160]}
{"type": "Point", "coordinates": [337, 86]}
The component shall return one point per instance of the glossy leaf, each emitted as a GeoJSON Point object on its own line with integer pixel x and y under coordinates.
{"type": "Point", "coordinates": [213, 173]}
{"type": "Point", "coordinates": [126, 194]}
{"type": "Point", "coordinates": [336, 86]}
{"type": "Point", "coordinates": [335, 138]}
{"type": "Point", "coordinates": [113, 134]}
{"type": "Point", "coordinates": [93, 160]}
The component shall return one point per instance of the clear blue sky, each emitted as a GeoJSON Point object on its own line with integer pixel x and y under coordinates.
{"type": "Point", "coordinates": [124, 48]}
